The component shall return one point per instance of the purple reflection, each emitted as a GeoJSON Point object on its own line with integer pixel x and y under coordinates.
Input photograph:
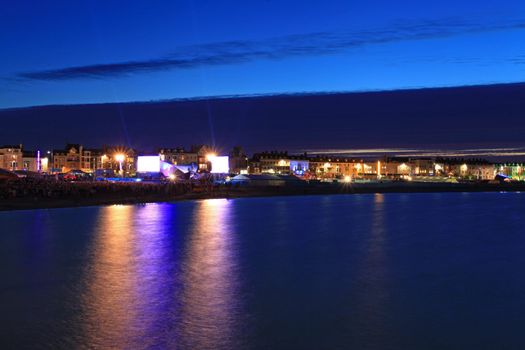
{"type": "Point", "coordinates": [155, 262]}
{"type": "Point", "coordinates": [141, 291]}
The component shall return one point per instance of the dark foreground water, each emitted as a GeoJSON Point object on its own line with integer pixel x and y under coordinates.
{"type": "Point", "coordinates": [394, 271]}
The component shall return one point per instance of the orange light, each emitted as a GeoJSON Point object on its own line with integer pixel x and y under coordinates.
{"type": "Point", "coordinates": [119, 157]}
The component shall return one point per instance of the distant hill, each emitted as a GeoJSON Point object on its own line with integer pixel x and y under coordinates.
{"type": "Point", "coordinates": [490, 115]}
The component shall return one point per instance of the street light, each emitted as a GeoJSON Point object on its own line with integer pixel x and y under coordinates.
{"type": "Point", "coordinates": [119, 157]}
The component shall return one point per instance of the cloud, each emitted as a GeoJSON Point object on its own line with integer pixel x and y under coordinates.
{"type": "Point", "coordinates": [518, 60]}
{"type": "Point", "coordinates": [399, 152]}
{"type": "Point", "coordinates": [241, 51]}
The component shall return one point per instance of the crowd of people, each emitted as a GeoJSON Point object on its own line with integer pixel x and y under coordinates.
{"type": "Point", "coordinates": [53, 189]}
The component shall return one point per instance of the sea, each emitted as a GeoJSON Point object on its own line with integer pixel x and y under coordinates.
{"type": "Point", "coordinates": [366, 271]}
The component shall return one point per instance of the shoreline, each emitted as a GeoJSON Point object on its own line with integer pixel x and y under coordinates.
{"type": "Point", "coordinates": [28, 203]}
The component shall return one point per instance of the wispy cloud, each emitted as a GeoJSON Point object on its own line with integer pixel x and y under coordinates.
{"type": "Point", "coordinates": [241, 51]}
{"type": "Point", "coordinates": [518, 59]}
{"type": "Point", "coordinates": [481, 152]}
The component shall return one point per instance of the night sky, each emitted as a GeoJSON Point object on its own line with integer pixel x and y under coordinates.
{"type": "Point", "coordinates": [451, 118]}
{"type": "Point", "coordinates": [101, 52]}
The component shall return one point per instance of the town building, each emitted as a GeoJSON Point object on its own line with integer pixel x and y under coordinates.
{"type": "Point", "coordinates": [93, 159]}
{"type": "Point", "coordinates": [198, 154]}
{"type": "Point", "coordinates": [178, 156]}
{"type": "Point", "coordinates": [203, 152]}
{"type": "Point", "coordinates": [15, 158]}
{"type": "Point", "coordinates": [76, 157]}
{"type": "Point", "coordinates": [204, 159]}
{"type": "Point", "coordinates": [470, 169]}
{"type": "Point", "coordinates": [69, 158]}
{"type": "Point", "coordinates": [334, 167]}
{"type": "Point", "coordinates": [33, 161]}
{"type": "Point", "coordinates": [400, 167]}
{"type": "Point", "coordinates": [422, 166]}
{"type": "Point", "coordinates": [515, 171]}
{"type": "Point", "coordinates": [276, 162]}
{"type": "Point", "coordinates": [238, 161]}
{"type": "Point", "coordinates": [11, 157]}
{"type": "Point", "coordinates": [122, 160]}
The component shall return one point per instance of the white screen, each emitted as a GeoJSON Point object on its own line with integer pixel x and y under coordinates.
{"type": "Point", "coordinates": [148, 164]}
{"type": "Point", "coordinates": [220, 165]}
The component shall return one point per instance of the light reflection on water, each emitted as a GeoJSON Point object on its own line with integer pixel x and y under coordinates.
{"type": "Point", "coordinates": [372, 292]}
{"type": "Point", "coordinates": [136, 293]}
{"type": "Point", "coordinates": [392, 271]}
{"type": "Point", "coordinates": [209, 300]}
{"type": "Point", "coordinates": [111, 300]}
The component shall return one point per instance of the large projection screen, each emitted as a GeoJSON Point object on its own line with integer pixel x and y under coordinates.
{"type": "Point", "coordinates": [220, 165]}
{"type": "Point", "coordinates": [148, 164]}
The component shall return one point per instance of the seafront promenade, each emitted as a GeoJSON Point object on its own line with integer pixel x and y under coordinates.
{"type": "Point", "coordinates": [23, 194]}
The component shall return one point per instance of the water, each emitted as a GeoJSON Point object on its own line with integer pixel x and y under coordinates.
{"type": "Point", "coordinates": [394, 271]}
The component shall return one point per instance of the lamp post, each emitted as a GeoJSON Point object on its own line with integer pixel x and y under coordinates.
{"type": "Point", "coordinates": [120, 159]}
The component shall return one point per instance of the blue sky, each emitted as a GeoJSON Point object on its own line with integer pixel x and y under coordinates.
{"type": "Point", "coordinates": [68, 52]}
